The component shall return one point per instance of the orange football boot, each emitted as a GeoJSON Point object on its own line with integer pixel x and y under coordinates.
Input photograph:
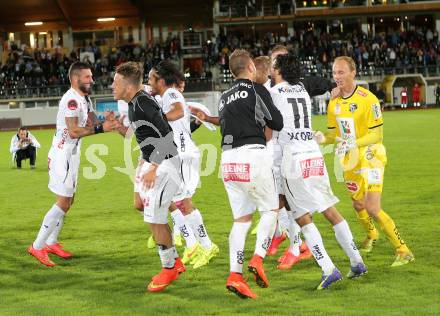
{"type": "Point", "coordinates": [236, 284]}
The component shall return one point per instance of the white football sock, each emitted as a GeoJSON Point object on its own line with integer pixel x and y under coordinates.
{"type": "Point", "coordinates": [345, 240]}
{"type": "Point", "coordinates": [237, 239]}
{"type": "Point", "coordinates": [265, 232]}
{"type": "Point", "coordinates": [53, 238]}
{"type": "Point", "coordinates": [176, 230]}
{"type": "Point", "coordinates": [294, 231]}
{"type": "Point", "coordinates": [316, 246]}
{"type": "Point", "coordinates": [277, 231]}
{"type": "Point", "coordinates": [48, 226]}
{"type": "Point", "coordinates": [184, 228]}
{"type": "Point", "coordinates": [167, 256]}
{"type": "Point", "coordinates": [283, 219]}
{"type": "Point", "coordinates": [175, 253]}
{"type": "Point", "coordinates": [196, 221]}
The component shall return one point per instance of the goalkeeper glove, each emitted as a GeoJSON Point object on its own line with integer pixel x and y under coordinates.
{"type": "Point", "coordinates": [319, 137]}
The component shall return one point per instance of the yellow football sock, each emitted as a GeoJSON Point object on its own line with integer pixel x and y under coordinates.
{"type": "Point", "coordinates": [387, 225]}
{"type": "Point", "coordinates": [367, 223]}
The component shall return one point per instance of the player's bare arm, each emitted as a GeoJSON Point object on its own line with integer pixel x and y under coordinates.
{"type": "Point", "coordinates": [124, 131]}
{"type": "Point", "coordinates": [149, 177]}
{"type": "Point", "coordinates": [176, 112]}
{"type": "Point", "coordinates": [268, 133]}
{"type": "Point", "coordinates": [77, 132]}
{"type": "Point", "coordinates": [204, 117]}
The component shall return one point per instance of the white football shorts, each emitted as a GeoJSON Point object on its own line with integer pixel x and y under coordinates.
{"type": "Point", "coordinates": [63, 167]}
{"type": "Point", "coordinates": [306, 183]}
{"type": "Point", "coordinates": [157, 200]}
{"type": "Point", "coordinates": [249, 181]}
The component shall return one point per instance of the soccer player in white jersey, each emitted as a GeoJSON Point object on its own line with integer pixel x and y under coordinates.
{"type": "Point", "coordinates": [284, 223]}
{"type": "Point", "coordinates": [305, 179]}
{"type": "Point", "coordinates": [75, 120]}
{"type": "Point", "coordinates": [164, 80]}
{"type": "Point", "coordinates": [314, 86]}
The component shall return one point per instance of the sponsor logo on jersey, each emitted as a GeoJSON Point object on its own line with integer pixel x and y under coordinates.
{"type": "Point", "coordinates": [352, 186]}
{"type": "Point", "coordinates": [63, 138]}
{"type": "Point", "coordinates": [353, 107]}
{"type": "Point", "coordinates": [376, 110]}
{"type": "Point", "coordinates": [313, 167]}
{"type": "Point", "coordinates": [300, 136]}
{"type": "Point", "coordinates": [72, 104]}
{"type": "Point", "coordinates": [182, 142]}
{"type": "Point", "coordinates": [291, 89]}
{"type": "Point", "coordinates": [346, 128]}
{"type": "Point", "coordinates": [173, 95]}
{"type": "Point", "coordinates": [237, 95]}
{"type": "Point", "coordinates": [361, 93]}
{"type": "Point", "coordinates": [236, 172]}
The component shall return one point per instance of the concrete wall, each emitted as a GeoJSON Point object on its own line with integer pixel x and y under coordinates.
{"type": "Point", "coordinates": [32, 116]}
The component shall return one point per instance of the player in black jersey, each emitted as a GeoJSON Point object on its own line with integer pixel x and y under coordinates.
{"type": "Point", "coordinates": [158, 178]}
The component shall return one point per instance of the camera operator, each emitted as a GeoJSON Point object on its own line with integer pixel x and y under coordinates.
{"type": "Point", "coordinates": [23, 146]}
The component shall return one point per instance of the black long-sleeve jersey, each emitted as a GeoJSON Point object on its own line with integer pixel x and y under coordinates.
{"type": "Point", "coordinates": [151, 128]}
{"type": "Point", "coordinates": [244, 110]}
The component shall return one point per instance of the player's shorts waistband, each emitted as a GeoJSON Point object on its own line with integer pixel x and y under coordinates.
{"type": "Point", "coordinates": [251, 146]}
{"type": "Point", "coordinates": [305, 152]}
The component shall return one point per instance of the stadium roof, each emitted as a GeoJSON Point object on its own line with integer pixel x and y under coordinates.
{"type": "Point", "coordinates": [58, 14]}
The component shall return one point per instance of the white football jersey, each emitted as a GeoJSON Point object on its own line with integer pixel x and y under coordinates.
{"type": "Point", "coordinates": [72, 104]}
{"type": "Point", "coordinates": [181, 127]}
{"type": "Point", "coordinates": [295, 105]}
{"type": "Point", "coordinates": [267, 84]}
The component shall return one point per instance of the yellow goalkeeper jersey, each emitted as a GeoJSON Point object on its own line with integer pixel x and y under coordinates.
{"type": "Point", "coordinates": [353, 116]}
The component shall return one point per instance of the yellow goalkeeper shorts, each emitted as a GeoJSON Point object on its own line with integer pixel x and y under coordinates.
{"type": "Point", "coordinates": [364, 170]}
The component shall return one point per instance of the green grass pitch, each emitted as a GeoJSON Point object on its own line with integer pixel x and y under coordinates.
{"type": "Point", "coordinates": [112, 264]}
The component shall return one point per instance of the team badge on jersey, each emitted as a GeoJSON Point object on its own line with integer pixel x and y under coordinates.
{"type": "Point", "coordinates": [173, 95]}
{"type": "Point", "coordinates": [72, 104]}
{"type": "Point", "coordinates": [353, 107]}
{"type": "Point", "coordinates": [222, 104]}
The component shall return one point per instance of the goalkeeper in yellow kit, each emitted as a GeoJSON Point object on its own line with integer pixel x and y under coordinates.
{"type": "Point", "coordinates": [355, 123]}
